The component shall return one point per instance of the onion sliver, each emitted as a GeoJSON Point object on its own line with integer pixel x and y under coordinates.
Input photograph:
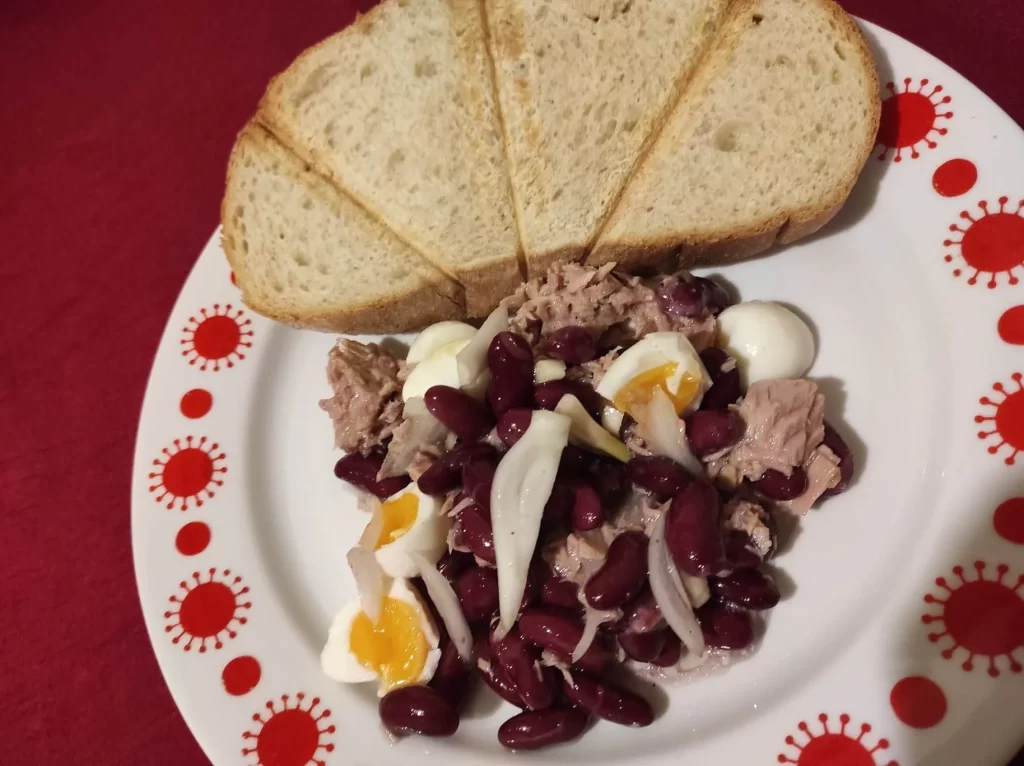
{"type": "Point", "coordinates": [674, 604]}
{"type": "Point", "coordinates": [595, 618]}
{"type": "Point", "coordinates": [447, 605]}
{"type": "Point", "coordinates": [665, 432]}
{"type": "Point", "coordinates": [371, 582]}
{"type": "Point", "coordinates": [472, 360]}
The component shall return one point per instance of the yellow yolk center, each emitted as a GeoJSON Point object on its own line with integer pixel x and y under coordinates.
{"type": "Point", "coordinates": [395, 648]}
{"type": "Point", "coordinates": [636, 394]}
{"type": "Point", "coordinates": [399, 515]}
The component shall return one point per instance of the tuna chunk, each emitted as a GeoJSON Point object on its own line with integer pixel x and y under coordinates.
{"type": "Point", "coordinates": [366, 407]}
{"type": "Point", "coordinates": [753, 520]}
{"type": "Point", "coordinates": [823, 474]}
{"type": "Point", "coordinates": [591, 372]}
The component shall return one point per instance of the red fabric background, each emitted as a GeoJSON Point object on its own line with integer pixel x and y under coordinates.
{"type": "Point", "coordinates": [117, 119]}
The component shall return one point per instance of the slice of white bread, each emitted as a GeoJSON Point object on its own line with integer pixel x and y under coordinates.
{"type": "Point", "coordinates": [399, 111]}
{"type": "Point", "coordinates": [304, 254]}
{"type": "Point", "coordinates": [765, 145]}
{"type": "Point", "coordinates": [583, 85]}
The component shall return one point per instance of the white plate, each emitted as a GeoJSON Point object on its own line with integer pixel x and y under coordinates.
{"type": "Point", "coordinates": [240, 528]}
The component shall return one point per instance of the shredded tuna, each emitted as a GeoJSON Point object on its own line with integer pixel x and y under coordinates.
{"type": "Point", "coordinates": [822, 469]}
{"type": "Point", "coordinates": [366, 407]}
{"type": "Point", "coordinates": [618, 309]}
{"type": "Point", "coordinates": [750, 517]}
{"type": "Point", "coordinates": [591, 372]}
{"type": "Point", "coordinates": [785, 421]}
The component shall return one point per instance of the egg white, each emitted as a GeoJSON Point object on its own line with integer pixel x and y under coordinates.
{"type": "Point", "coordinates": [767, 340]}
{"type": "Point", "coordinates": [427, 536]}
{"type": "Point", "coordinates": [652, 351]}
{"type": "Point", "coordinates": [440, 368]}
{"type": "Point", "coordinates": [437, 336]}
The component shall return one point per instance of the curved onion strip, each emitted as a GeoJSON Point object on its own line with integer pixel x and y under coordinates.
{"type": "Point", "coordinates": [447, 604]}
{"type": "Point", "coordinates": [368, 540]}
{"type": "Point", "coordinates": [472, 360]}
{"type": "Point", "coordinates": [665, 432]}
{"type": "Point", "coordinates": [370, 580]}
{"type": "Point", "coordinates": [696, 588]}
{"type": "Point", "coordinates": [423, 429]}
{"type": "Point", "coordinates": [595, 618]}
{"type": "Point", "coordinates": [674, 604]}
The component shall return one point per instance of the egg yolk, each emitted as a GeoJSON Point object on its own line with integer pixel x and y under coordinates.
{"type": "Point", "coordinates": [395, 648]}
{"type": "Point", "coordinates": [399, 515]}
{"type": "Point", "coordinates": [635, 395]}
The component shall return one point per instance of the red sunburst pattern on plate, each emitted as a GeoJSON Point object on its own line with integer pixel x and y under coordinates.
{"type": "Point", "coordinates": [207, 610]}
{"type": "Point", "coordinates": [187, 472]}
{"type": "Point", "coordinates": [912, 118]}
{"type": "Point", "coordinates": [991, 244]}
{"type": "Point", "coordinates": [834, 747]}
{"type": "Point", "coordinates": [217, 336]}
{"type": "Point", "coordinates": [291, 733]}
{"type": "Point", "coordinates": [1004, 418]}
{"type": "Point", "coordinates": [955, 177]}
{"type": "Point", "coordinates": [982, 617]}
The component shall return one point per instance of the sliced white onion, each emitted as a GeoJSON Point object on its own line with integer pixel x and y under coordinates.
{"type": "Point", "coordinates": [665, 432]}
{"type": "Point", "coordinates": [371, 582]}
{"type": "Point", "coordinates": [587, 432]}
{"type": "Point", "coordinates": [447, 603]}
{"type": "Point", "coordinates": [696, 588]}
{"type": "Point", "coordinates": [594, 619]}
{"type": "Point", "coordinates": [472, 360]}
{"type": "Point", "coordinates": [419, 429]}
{"type": "Point", "coordinates": [673, 601]}
{"type": "Point", "coordinates": [521, 488]}
{"type": "Point", "coordinates": [546, 370]}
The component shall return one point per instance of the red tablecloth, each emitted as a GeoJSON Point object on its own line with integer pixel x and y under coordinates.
{"type": "Point", "coordinates": [117, 118]}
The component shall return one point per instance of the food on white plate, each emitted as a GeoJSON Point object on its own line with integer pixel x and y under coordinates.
{"type": "Point", "coordinates": [561, 551]}
{"type": "Point", "coordinates": [767, 340]}
{"type": "Point", "coordinates": [546, 370]}
{"type": "Point", "coordinates": [440, 368]}
{"type": "Point", "coordinates": [676, 134]}
{"type": "Point", "coordinates": [437, 336]}
{"type": "Point", "coordinates": [399, 649]}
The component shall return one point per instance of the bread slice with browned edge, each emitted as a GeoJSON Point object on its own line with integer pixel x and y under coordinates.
{"type": "Point", "coordinates": [765, 145]}
{"type": "Point", "coordinates": [399, 111]}
{"type": "Point", "coordinates": [305, 254]}
{"type": "Point", "coordinates": [583, 85]}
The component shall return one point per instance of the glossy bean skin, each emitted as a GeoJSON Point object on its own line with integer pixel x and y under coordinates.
{"type": "Point", "coordinates": [477, 478]}
{"type": "Point", "coordinates": [575, 463]}
{"type": "Point", "coordinates": [724, 627]}
{"type": "Point", "coordinates": [709, 431]}
{"type": "Point", "coordinates": [560, 502]}
{"type": "Point", "coordinates": [642, 614]}
{"type": "Point", "coordinates": [670, 653]}
{"type": "Point", "coordinates": [521, 666]}
{"type": "Point", "coordinates": [451, 679]}
{"type": "Point", "coordinates": [747, 588]}
{"type": "Point", "coordinates": [693, 530]}
{"type": "Point", "coordinates": [838, 446]}
{"type": "Point", "coordinates": [418, 710]}
{"type": "Point", "coordinates": [476, 534]}
{"type": "Point", "coordinates": [682, 298]}
{"type": "Point", "coordinates": [572, 344]}
{"type": "Point", "coordinates": [713, 359]}
{"type": "Point", "coordinates": [559, 592]}
{"type": "Point", "coordinates": [643, 647]}
{"type": "Point", "coordinates": [468, 418]}
{"type": "Point", "coordinates": [361, 471]}
{"type": "Point", "coordinates": [510, 360]}
{"type": "Point", "coordinates": [660, 475]}
{"type": "Point", "coordinates": [716, 297]}
{"type": "Point", "coordinates": [513, 424]}
{"type": "Point", "coordinates": [446, 472]}
{"type": "Point", "coordinates": [536, 729]}
{"type": "Point", "coordinates": [490, 670]}
{"type": "Point", "coordinates": [727, 389]}
{"type": "Point", "coordinates": [607, 700]}
{"type": "Point", "coordinates": [548, 395]}
{"type": "Point", "coordinates": [559, 632]}
{"type": "Point", "coordinates": [740, 551]}
{"type": "Point", "coordinates": [587, 512]}
{"type": "Point", "coordinates": [777, 486]}
{"type": "Point", "coordinates": [622, 575]}
{"type": "Point", "coordinates": [477, 589]}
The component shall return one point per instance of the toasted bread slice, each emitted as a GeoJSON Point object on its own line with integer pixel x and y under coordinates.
{"type": "Point", "coordinates": [398, 110]}
{"type": "Point", "coordinates": [583, 85]}
{"type": "Point", "coordinates": [764, 147]}
{"type": "Point", "coordinates": [305, 254]}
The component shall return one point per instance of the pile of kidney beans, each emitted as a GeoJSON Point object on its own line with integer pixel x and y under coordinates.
{"type": "Point", "coordinates": [556, 706]}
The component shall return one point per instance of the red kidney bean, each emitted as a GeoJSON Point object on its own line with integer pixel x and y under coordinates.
{"type": "Point", "coordinates": [681, 298]}
{"type": "Point", "coordinates": [716, 297]}
{"type": "Point", "coordinates": [467, 417]}
{"type": "Point", "coordinates": [535, 729]}
{"type": "Point", "coordinates": [778, 486]}
{"type": "Point", "coordinates": [572, 344]}
{"type": "Point", "coordinates": [417, 710]}
{"type": "Point", "coordinates": [608, 700]}
{"type": "Point", "coordinates": [476, 533]}
{"type": "Point", "coordinates": [523, 669]}
{"type": "Point", "coordinates": [709, 431]}
{"type": "Point", "coordinates": [445, 474]}
{"type": "Point", "coordinates": [560, 593]}
{"type": "Point", "coordinates": [510, 360]}
{"type": "Point", "coordinates": [726, 390]}
{"type": "Point", "coordinates": [740, 550]}
{"type": "Point", "coordinates": [661, 475]}
{"type": "Point", "coordinates": [477, 589]}
{"type": "Point", "coordinates": [548, 395]}
{"type": "Point", "coordinates": [609, 478]}
{"type": "Point", "coordinates": [622, 574]}
{"type": "Point", "coordinates": [361, 471]}
{"type": "Point", "coordinates": [747, 588]}
{"type": "Point", "coordinates": [714, 359]}
{"type": "Point", "coordinates": [491, 671]}
{"type": "Point", "coordinates": [587, 512]}
{"type": "Point", "coordinates": [513, 424]}
{"type": "Point", "coordinates": [693, 530]}
{"type": "Point", "coordinates": [575, 462]}
{"type": "Point", "coordinates": [642, 614]}
{"type": "Point", "coordinates": [477, 477]}
{"type": "Point", "coordinates": [671, 652]}
{"type": "Point", "coordinates": [643, 647]}
{"type": "Point", "coordinates": [846, 465]}
{"type": "Point", "coordinates": [535, 577]}
{"type": "Point", "coordinates": [451, 679]}
{"type": "Point", "coordinates": [559, 632]}
{"type": "Point", "coordinates": [559, 504]}
{"type": "Point", "coordinates": [725, 628]}
{"type": "Point", "coordinates": [454, 563]}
